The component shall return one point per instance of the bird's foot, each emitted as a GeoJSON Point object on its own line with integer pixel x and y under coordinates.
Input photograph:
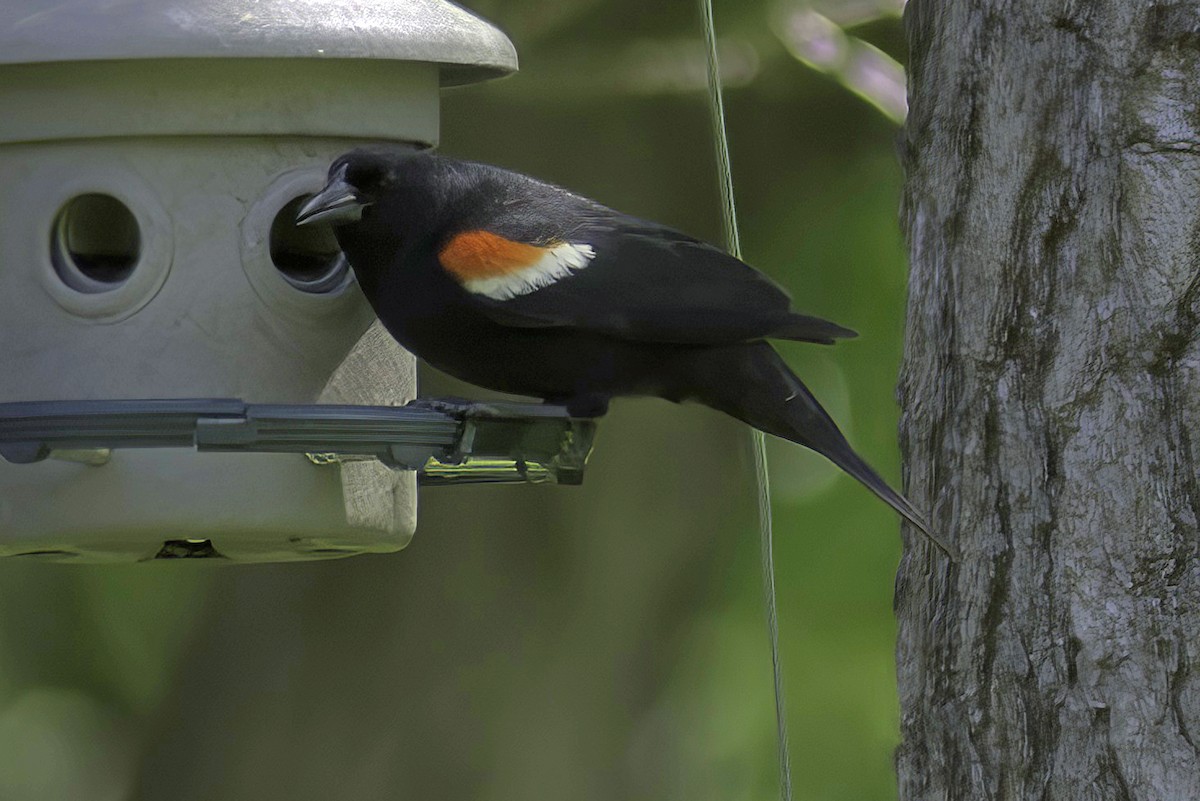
{"type": "Point", "coordinates": [458, 407]}
{"type": "Point", "coordinates": [445, 405]}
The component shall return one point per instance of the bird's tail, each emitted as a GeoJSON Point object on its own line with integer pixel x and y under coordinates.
{"type": "Point", "coordinates": [752, 383]}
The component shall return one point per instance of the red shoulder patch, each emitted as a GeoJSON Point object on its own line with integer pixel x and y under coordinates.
{"type": "Point", "coordinates": [476, 255]}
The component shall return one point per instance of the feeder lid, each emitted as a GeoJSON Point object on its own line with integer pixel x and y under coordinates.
{"type": "Point", "coordinates": [467, 48]}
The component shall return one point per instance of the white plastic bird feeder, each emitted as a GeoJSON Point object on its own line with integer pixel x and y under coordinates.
{"type": "Point", "coordinates": [155, 293]}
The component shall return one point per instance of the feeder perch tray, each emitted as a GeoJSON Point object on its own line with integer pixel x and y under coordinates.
{"type": "Point", "coordinates": [446, 441]}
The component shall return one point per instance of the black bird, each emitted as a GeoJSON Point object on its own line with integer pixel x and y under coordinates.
{"type": "Point", "coordinates": [520, 286]}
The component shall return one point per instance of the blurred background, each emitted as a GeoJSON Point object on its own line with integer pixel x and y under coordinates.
{"type": "Point", "coordinates": [599, 642]}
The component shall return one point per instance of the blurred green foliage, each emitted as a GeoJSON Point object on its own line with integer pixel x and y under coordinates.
{"type": "Point", "coordinates": [593, 643]}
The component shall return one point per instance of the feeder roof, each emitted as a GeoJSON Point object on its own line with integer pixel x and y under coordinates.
{"type": "Point", "coordinates": [467, 48]}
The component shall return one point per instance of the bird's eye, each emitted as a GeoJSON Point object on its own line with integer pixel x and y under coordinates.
{"type": "Point", "coordinates": [364, 175]}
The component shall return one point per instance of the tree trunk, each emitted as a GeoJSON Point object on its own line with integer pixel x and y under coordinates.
{"type": "Point", "coordinates": [1051, 396]}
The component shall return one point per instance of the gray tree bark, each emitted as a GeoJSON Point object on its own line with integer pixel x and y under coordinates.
{"type": "Point", "coordinates": [1051, 401]}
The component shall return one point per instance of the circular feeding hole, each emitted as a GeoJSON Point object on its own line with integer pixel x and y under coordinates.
{"type": "Point", "coordinates": [95, 244]}
{"type": "Point", "coordinates": [308, 256]}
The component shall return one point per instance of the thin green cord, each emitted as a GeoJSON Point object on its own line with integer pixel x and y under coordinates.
{"type": "Point", "coordinates": [766, 540]}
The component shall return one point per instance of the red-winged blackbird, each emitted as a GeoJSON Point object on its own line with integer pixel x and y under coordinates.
{"type": "Point", "coordinates": [520, 286]}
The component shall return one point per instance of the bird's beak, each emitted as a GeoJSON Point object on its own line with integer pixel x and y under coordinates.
{"type": "Point", "coordinates": [338, 202]}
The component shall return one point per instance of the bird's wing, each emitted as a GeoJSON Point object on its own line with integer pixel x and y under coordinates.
{"type": "Point", "coordinates": [622, 277]}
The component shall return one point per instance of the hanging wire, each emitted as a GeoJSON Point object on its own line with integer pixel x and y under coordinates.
{"type": "Point", "coordinates": [766, 535]}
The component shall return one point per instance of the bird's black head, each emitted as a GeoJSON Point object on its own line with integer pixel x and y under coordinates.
{"type": "Point", "coordinates": [380, 200]}
{"type": "Point", "coordinates": [357, 180]}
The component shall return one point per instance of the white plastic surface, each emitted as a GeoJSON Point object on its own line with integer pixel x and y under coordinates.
{"type": "Point", "coordinates": [434, 31]}
{"type": "Point", "coordinates": [198, 329]}
{"type": "Point", "coordinates": [369, 100]}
